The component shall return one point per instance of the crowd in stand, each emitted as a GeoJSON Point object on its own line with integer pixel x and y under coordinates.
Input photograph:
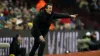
{"type": "Point", "coordinates": [17, 15]}
{"type": "Point", "coordinates": [88, 10]}
{"type": "Point", "coordinates": [90, 5]}
{"type": "Point", "coordinates": [91, 12]}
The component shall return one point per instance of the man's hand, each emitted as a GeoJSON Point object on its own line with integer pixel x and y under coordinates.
{"type": "Point", "coordinates": [74, 16]}
{"type": "Point", "coordinates": [41, 38]}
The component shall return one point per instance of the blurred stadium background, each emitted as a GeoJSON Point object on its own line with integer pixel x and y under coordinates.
{"type": "Point", "coordinates": [16, 16]}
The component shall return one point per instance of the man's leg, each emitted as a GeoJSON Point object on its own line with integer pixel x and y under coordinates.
{"type": "Point", "coordinates": [41, 48]}
{"type": "Point", "coordinates": [93, 46]}
{"type": "Point", "coordinates": [34, 48]}
{"type": "Point", "coordinates": [23, 51]}
{"type": "Point", "coordinates": [16, 54]}
{"type": "Point", "coordinates": [42, 44]}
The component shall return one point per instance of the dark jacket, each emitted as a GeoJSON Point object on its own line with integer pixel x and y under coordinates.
{"type": "Point", "coordinates": [42, 21]}
{"type": "Point", "coordinates": [93, 39]}
{"type": "Point", "coordinates": [15, 45]}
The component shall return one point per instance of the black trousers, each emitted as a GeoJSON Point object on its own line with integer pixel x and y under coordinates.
{"type": "Point", "coordinates": [40, 45]}
{"type": "Point", "coordinates": [94, 46]}
{"type": "Point", "coordinates": [21, 52]}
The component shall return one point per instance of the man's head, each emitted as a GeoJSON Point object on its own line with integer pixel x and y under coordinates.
{"type": "Point", "coordinates": [17, 38]}
{"type": "Point", "coordinates": [94, 35]}
{"type": "Point", "coordinates": [48, 8]}
{"type": "Point", "coordinates": [88, 34]}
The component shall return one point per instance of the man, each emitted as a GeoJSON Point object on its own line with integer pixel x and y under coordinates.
{"type": "Point", "coordinates": [41, 25]}
{"type": "Point", "coordinates": [15, 49]}
{"type": "Point", "coordinates": [83, 44]}
{"type": "Point", "coordinates": [94, 44]}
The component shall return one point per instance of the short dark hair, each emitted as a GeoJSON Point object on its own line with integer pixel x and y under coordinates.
{"type": "Point", "coordinates": [46, 6]}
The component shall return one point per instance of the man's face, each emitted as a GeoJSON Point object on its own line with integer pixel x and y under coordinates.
{"type": "Point", "coordinates": [49, 9]}
{"type": "Point", "coordinates": [94, 36]}
{"type": "Point", "coordinates": [19, 39]}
